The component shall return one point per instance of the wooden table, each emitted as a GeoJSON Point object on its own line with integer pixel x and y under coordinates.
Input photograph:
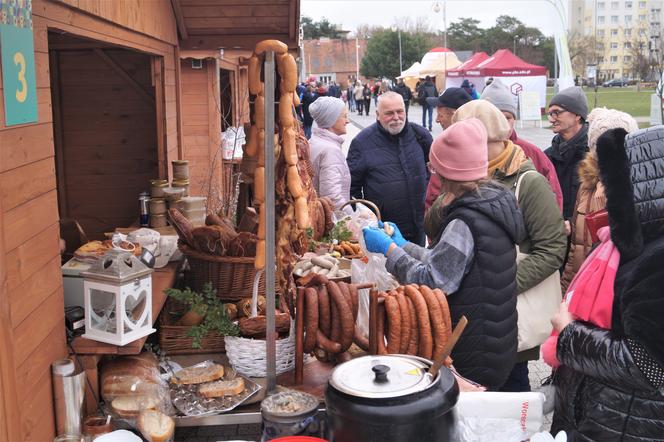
{"type": "Point", "coordinates": [90, 352]}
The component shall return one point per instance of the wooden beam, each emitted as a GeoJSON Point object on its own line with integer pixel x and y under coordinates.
{"type": "Point", "coordinates": [58, 144]}
{"type": "Point", "coordinates": [160, 114]}
{"type": "Point", "coordinates": [178, 100]}
{"type": "Point", "coordinates": [179, 18]}
{"type": "Point", "coordinates": [232, 41]}
{"type": "Point", "coordinates": [147, 96]}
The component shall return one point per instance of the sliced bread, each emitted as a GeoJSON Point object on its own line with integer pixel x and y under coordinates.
{"type": "Point", "coordinates": [130, 406]}
{"type": "Point", "coordinates": [222, 388]}
{"type": "Point", "coordinates": [155, 425]}
{"type": "Point", "coordinates": [198, 375]}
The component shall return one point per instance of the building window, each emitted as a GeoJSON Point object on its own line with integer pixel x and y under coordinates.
{"type": "Point", "coordinates": [642, 32]}
{"type": "Point", "coordinates": [642, 17]}
{"type": "Point", "coordinates": [600, 19]}
{"type": "Point", "coordinates": [614, 45]}
{"type": "Point", "coordinates": [628, 32]}
{"type": "Point", "coordinates": [614, 19]}
{"type": "Point", "coordinates": [627, 58]}
{"type": "Point", "coordinates": [614, 59]}
{"type": "Point", "coordinates": [627, 45]}
{"type": "Point", "coordinates": [615, 5]}
{"type": "Point", "coordinates": [628, 20]}
{"type": "Point", "coordinates": [600, 46]}
{"type": "Point", "coordinates": [628, 5]}
{"type": "Point", "coordinates": [600, 32]}
{"type": "Point", "coordinates": [600, 5]}
{"type": "Point", "coordinates": [614, 32]}
{"type": "Point", "coordinates": [600, 59]}
{"type": "Point", "coordinates": [642, 5]}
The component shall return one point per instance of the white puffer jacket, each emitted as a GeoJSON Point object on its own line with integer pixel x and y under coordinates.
{"type": "Point", "coordinates": [331, 174]}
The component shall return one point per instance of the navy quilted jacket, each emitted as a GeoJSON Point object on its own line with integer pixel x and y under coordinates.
{"type": "Point", "coordinates": [390, 171]}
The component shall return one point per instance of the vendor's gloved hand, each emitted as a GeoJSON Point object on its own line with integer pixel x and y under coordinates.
{"type": "Point", "coordinates": [397, 237]}
{"type": "Point", "coordinates": [376, 240]}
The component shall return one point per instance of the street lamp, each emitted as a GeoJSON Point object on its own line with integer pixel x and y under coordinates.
{"type": "Point", "coordinates": [436, 9]}
{"type": "Point", "coordinates": [398, 30]}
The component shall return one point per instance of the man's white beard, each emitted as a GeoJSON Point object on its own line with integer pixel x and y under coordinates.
{"type": "Point", "coordinates": [394, 129]}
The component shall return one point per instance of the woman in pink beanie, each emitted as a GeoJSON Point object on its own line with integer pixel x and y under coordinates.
{"type": "Point", "coordinates": [474, 260]}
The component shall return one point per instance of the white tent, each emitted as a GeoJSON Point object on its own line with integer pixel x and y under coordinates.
{"type": "Point", "coordinates": [411, 75]}
{"type": "Point", "coordinates": [438, 66]}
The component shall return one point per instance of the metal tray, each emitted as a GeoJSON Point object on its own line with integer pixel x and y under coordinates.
{"type": "Point", "coordinates": [189, 403]}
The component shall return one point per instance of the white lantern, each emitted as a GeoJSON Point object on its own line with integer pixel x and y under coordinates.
{"type": "Point", "coordinates": [118, 299]}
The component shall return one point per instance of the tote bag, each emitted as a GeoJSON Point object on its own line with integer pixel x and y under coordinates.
{"type": "Point", "coordinates": [537, 305]}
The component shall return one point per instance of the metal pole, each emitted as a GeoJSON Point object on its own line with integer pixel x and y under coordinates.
{"type": "Point", "coordinates": [400, 61]}
{"type": "Point", "coordinates": [445, 40]}
{"type": "Point", "coordinates": [270, 334]}
{"type": "Point", "coordinates": [357, 59]}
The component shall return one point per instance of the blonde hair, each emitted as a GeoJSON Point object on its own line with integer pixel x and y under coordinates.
{"type": "Point", "coordinates": [460, 188]}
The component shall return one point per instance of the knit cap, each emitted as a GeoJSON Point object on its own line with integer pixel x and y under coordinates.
{"type": "Point", "coordinates": [499, 94]}
{"type": "Point", "coordinates": [460, 153]}
{"type": "Point", "coordinates": [572, 99]}
{"type": "Point", "coordinates": [495, 123]}
{"type": "Point", "coordinates": [602, 119]}
{"type": "Point", "coordinates": [326, 111]}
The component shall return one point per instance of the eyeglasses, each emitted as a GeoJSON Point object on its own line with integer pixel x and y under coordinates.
{"type": "Point", "coordinates": [555, 113]}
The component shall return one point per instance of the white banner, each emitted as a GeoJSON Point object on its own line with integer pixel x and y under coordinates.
{"type": "Point", "coordinates": [516, 85]}
{"type": "Point", "coordinates": [529, 109]}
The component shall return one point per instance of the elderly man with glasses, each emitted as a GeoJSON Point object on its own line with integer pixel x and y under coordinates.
{"type": "Point", "coordinates": [567, 113]}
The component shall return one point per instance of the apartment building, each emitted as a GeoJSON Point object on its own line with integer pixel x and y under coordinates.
{"type": "Point", "coordinates": [625, 34]}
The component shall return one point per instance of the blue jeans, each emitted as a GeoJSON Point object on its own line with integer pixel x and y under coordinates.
{"type": "Point", "coordinates": [426, 109]}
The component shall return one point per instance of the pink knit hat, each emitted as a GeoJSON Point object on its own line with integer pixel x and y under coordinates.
{"type": "Point", "coordinates": [460, 153]}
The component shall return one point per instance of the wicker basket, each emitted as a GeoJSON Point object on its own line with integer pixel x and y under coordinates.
{"type": "Point", "coordinates": [173, 339]}
{"type": "Point", "coordinates": [248, 356]}
{"type": "Point", "coordinates": [231, 276]}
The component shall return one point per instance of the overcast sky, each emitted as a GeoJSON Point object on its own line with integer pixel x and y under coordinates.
{"type": "Point", "coordinates": [540, 14]}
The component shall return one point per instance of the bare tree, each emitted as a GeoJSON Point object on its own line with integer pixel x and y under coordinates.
{"type": "Point", "coordinates": [582, 52]}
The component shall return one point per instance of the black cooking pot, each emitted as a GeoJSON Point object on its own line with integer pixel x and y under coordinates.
{"type": "Point", "coordinates": [391, 398]}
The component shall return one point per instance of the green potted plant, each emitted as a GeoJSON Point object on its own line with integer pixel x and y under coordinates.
{"type": "Point", "coordinates": [206, 313]}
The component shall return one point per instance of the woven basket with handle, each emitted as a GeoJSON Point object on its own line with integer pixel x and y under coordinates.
{"type": "Point", "coordinates": [248, 356]}
{"type": "Point", "coordinates": [173, 339]}
{"type": "Point", "coordinates": [231, 276]}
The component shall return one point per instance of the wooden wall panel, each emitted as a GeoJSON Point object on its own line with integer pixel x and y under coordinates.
{"type": "Point", "coordinates": [38, 365]}
{"type": "Point", "coordinates": [108, 129]}
{"type": "Point", "coordinates": [36, 326]}
{"type": "Point", "coordinates": [32, 293]}
{"type": "Point", "coordinates": [27, 220]}
{"type": "Point", "coordinates": [20, 185]}
{"type": "Point", "coordinates": [28, 144]}
{"type": "Point", "coordinates": [150, 17]}
{"type": "Point", "coordinates": [38, 423]}
{"type": "Point", "coordinates": [31, 256]}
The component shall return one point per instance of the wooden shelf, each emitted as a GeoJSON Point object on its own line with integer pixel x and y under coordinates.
{"type": "Point", "coordinates": [161, 279]}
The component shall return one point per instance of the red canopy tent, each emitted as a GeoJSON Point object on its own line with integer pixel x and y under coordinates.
{"type": "Point", "coordinates": [469, 64]}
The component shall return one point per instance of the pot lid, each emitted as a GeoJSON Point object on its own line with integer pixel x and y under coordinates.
{"type": "Point", "coordinates": [386, 376]}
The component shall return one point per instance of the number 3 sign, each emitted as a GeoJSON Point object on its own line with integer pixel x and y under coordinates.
{"type": "Point", "coordinates": [18, 62]}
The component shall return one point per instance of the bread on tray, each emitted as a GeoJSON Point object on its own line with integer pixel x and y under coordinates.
{"type": "Point", "coordinates": [222, 388]}
{"type": "Point", "coordinates": [130, 406]}
{"type": "Point", "coordinates": [198, 375]}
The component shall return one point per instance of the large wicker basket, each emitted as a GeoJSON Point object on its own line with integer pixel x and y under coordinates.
{"type": "Point", "coordinates": [231, 276]}
{"type": "Point", "coordinates": [173, 339]}
{"type": "Point", "coordinates": [248, 356]}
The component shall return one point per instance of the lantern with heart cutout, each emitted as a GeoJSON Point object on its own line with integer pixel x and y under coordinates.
{"type": "Point", "coordinates": [118, 299]}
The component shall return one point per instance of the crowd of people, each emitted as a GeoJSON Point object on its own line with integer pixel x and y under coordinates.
{"type": "Point", "coordinates": [507, 230]}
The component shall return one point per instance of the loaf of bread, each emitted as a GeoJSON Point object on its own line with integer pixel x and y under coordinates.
{"type": "Point", "coordinates": [222, 388]}
{"type": "Point", "coordinates": [130, 406]}
{"type": "Point", "coordinates": [155, 425]}
{"type": "Point", "coordinates": [130, 375]}
{"type": "Point", "coordinates": [198, 375]}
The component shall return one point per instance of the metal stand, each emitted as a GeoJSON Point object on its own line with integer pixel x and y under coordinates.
{"type": "Point", "coordinates": [270, 265]}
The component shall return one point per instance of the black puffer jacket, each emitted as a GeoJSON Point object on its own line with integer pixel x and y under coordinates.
{"type": "Point", "coordinates": [610, 386]}
{"type": "Point", "coordinates": [390, 170]}
{"type": "Point", "coordinates": [565, 156]}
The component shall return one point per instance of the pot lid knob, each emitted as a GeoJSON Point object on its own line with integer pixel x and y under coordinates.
{"type": "Point", "coordinates": [380, 371]}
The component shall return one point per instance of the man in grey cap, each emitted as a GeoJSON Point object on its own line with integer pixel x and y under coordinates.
{"type": "Point", "coordinates": [446, 104]}
{"type": "Point", "coordinates": [567, 113]}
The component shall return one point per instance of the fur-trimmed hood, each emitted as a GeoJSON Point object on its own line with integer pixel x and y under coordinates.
{"type": "Point", "coordinates": [589, 171]}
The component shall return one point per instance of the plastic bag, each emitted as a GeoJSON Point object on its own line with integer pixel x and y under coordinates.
{"type": "Point", "coordinates": [499, 416]}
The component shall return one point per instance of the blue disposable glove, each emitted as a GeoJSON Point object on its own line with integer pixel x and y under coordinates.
{"type": "Point", "coordinates": [376, 240]}
{"type": "Point", "coordinates": [397, 237]}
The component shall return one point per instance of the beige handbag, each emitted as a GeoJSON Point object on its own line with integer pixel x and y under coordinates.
{"type": "Point", "coordinates": [537, 305]}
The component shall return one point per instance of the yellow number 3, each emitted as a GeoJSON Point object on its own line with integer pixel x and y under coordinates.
{"type": "Point", "coordinates": [22, 92]}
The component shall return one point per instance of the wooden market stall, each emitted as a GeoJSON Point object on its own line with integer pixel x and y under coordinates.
{"type": "Point", "coordinates": [90, 55]}
{"type": "Point", "coordinates": [118, 100]}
